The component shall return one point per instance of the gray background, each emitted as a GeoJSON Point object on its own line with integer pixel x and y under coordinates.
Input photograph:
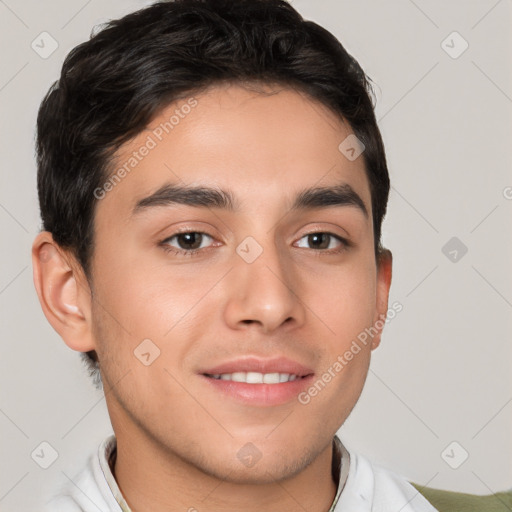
{"type": "Point", "coordinates": [442, 372]}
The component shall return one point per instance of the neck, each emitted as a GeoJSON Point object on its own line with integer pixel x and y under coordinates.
{"type": "Point", "coordinates": [151, 479]}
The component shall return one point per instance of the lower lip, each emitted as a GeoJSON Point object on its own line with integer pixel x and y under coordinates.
{"type": "Point", "coordinates": [260, 394]}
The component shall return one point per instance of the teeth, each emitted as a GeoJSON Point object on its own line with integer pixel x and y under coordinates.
{"type": "Point", "coordinates": [256, 377]}
{"type": "Point", "coordinates": [271, 378]}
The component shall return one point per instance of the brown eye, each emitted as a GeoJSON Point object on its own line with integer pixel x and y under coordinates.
{"type": "Point", "coordinates": [322, 241]}
{"type": "Point", "coordinates": [188, 241]}
{"type": "Point", "coordinates": [319, 240]}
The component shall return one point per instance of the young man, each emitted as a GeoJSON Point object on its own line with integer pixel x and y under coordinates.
{"type": "Point", "coordinates": [212, 184]}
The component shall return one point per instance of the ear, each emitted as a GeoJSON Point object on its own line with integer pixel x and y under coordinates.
{"type": "Point", "coordinates": [63, 292]}
{"type": "Point", "coordinates": [384, 267]}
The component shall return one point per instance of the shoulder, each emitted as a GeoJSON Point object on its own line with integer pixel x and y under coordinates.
{"type": "Point", "coordinates": [61, 503]}
{"type": "Point", "coordinates": [386, 479]}
{"type": "Point", "coordinates": [76, 494]}
{"type": "Point", "coordinates": [86, 491]}
{"type": "Point", "coordinates": [371, 486]}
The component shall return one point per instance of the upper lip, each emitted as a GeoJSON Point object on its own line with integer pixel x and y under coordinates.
{"type": "Point", "coordinates": [254, 364]}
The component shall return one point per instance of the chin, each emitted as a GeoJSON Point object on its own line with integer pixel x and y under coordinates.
{"type": "Point", "coordinates": [251, 466]}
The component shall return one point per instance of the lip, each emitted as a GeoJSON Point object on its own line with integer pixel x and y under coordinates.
{"type": "Point", "coordinates": [261, 395]}
{"type": "Point", "coordinates": [254, 364]}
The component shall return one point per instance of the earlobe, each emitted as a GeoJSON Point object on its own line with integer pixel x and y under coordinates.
{"type": "Point", "coordinates": [63, 292]}
{"type": "Point", "coordinates": [384, 273]}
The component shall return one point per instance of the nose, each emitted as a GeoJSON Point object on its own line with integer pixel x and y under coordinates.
{"type": "Point", "coordinates": [264, 293]}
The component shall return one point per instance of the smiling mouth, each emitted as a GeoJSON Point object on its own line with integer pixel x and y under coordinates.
{"type": "Point", "coordinates": [256, 377]}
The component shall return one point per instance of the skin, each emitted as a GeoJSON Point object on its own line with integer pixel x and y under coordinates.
{"type": "Point", "coordinates": [294, 300]}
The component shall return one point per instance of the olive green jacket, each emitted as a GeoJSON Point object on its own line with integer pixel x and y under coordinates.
{"type": "Point", "coordinates": [447, 501]}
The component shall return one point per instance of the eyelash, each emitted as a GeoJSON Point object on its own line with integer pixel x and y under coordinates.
{"type": "Point", "coordinates": [345, 244]}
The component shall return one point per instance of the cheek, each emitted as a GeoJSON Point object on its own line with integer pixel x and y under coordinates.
{"type": "Point", "coordinates": [138, 300]}
{"type": "Point", "coordinates": [345, 301]}
{"type": "Point", "coordinates": [144, 298]}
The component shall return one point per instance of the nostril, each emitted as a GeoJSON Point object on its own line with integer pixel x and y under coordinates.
{"type": "Point", "coordinates": [251, 322]}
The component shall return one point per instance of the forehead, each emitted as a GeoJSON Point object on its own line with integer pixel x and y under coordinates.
{"type": "Point", "coordinates": [261, 145]}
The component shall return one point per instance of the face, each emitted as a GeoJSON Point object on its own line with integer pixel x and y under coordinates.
{"type": "Point", "coordinates": [215, 314]}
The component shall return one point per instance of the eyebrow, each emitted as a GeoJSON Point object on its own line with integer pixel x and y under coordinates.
{"type": "Point", "coordinates": [207, 197]}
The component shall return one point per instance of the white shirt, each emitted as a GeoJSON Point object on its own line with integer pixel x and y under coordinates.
{"type": "Point", "coordinates": [362, 486]}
